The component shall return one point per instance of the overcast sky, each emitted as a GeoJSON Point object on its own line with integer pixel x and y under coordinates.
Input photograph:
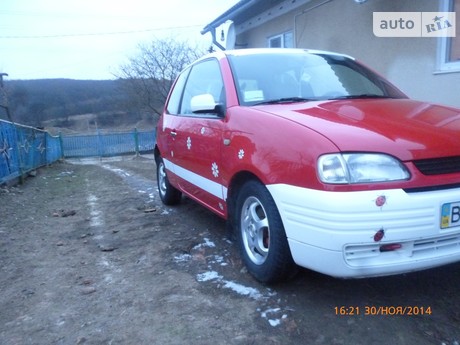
{"type": "Point", "coordinates": [90, 39]}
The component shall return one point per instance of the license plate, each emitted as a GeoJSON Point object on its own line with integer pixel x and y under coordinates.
{"type": "Point", "coordinates": [450, 215]}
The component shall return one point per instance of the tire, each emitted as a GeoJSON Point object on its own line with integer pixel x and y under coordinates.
{"type": "Point", "coordinates": [169, 195]}
{"type": "Point", "coordinates": [261, 236]}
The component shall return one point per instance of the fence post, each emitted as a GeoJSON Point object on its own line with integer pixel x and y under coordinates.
{"type": "Point", "coordinates": [61, 143]}
{"type": "Point", "coordinates": [99, 144]}
{"type": "Point", "coordinates": [136, 141]}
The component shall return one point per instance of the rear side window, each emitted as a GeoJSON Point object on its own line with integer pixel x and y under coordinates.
{"type": "Point", "coordinates": [176, 93]}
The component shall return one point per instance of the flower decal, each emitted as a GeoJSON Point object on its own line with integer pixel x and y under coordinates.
{"type": "Point", "coordinates": [215, 169]}
{"type": "Point", "coordinates": [241, 154]}
{"type": "Point", "coordinates": [189, 143]}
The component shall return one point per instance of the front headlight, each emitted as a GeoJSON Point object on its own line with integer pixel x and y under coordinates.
{"type": "Point", "coordinates": [360, 168]}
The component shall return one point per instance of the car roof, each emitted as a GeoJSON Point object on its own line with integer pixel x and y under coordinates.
{"type": "Point", "coordinates": [255, 51]}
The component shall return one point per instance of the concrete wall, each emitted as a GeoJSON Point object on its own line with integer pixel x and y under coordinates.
{"type": "Point", "coordinates": [346, 27]}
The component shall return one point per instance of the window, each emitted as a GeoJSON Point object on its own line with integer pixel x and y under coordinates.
{"type": "Point", "coordinates": [176, 95]}
{"type": "Point", "coordinates": [273, 77]}
{"type": "Point", "coordinates": [449, 47]}
{"type": "Point", "coordinates": [202, 78]}
{"type": "Point", "coordinates": [285, 40]}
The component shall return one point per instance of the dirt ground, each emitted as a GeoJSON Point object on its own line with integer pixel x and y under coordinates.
{"type": "Point", "coordinates": [89, 255]}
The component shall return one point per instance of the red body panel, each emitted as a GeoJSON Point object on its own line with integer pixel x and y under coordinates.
{"type": "Point", "coordinates": [294, 136]}
{"type": "Point", "coordinates": [403, 128]}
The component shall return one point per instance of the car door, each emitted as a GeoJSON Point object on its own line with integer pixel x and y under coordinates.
{"type": "Point", "coordinates": [169, 122]}
{"type": "Point", "coordinates": [198, 138]}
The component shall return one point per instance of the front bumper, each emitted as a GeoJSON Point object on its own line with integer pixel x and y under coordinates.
{"type": "Point", "coordinates": [333, 232]}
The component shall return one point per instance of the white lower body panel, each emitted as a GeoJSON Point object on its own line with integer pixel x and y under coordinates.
{"type": "Point", "coordinates": [336, 232]}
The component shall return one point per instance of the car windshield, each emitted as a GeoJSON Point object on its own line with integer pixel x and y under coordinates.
{"type": "Point", "coordinates": [280, 77]}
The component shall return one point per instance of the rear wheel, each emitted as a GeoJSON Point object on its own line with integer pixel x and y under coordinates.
{"type": "Point", "coordinates": [261, 236]}
{"type": "Point", "coordinates": [169, 195]}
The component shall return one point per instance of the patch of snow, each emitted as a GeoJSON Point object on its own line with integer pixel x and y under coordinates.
{"type": "Point", "coordinates": [182, 258]}
{"type": "Point", "coordinates": [243, 290]}
{"type": "Point", "coordinates": [207, 243]}
{"type": "Point", "coordinates": [118, 171]}
{"type": "Point", "coordinates": [268, 314]}
{"type": "Point", "coordinates": [269, 311]}
{"type": "Point", "coordinates": [217, 259]}
{"type": "Point", "coordinates": [226, 284]}
{"type": "Point", "coordinates": [96, 215]}
{"type": "Point", "coordinates": [65, 173]}
{"type": "Point", "coordinates": [274, 323]}
{"type": "Point", "coordinates": [206, 276]}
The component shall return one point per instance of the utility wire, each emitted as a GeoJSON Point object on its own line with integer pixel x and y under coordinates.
{"type": "Point", "coordinates": [97, 34]}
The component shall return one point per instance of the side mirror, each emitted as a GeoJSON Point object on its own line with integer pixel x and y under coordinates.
{"type": "Point", "coordinates": [205, 104]}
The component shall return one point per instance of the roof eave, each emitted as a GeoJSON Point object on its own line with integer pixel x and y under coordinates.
{"type": "Point", "coordinates": [230, 14]}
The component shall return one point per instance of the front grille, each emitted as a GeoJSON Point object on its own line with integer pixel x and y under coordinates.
{"type": "Point", "coordinates": [432, 188]}
{"type": "Point", "coordinates": [437, 244]}
{"type": "Point", "coordinates": [438, 166]}
{"type": "Point", "coordinates": [366, 255]}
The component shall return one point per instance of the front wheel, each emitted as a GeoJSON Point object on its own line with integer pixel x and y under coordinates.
{"type": "Point", "coordinates": [169, 195]}
{"type": "Point", "coordinates": [261, 236]}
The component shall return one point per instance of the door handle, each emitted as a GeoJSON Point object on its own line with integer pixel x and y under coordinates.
{"type": "Point", "coordinates": [173, 133]}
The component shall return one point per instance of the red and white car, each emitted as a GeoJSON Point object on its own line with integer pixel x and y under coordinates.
{"type": "Point", "coordinates": [315, 161]}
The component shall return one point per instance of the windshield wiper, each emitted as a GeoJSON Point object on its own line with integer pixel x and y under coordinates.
{"type": "Point", "coordinates": [285, 100]}
{"type": "Point", "coordinates": [363, 95]}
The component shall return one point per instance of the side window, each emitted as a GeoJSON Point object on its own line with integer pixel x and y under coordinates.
{"type": "Point", "coordinates": [204, 78]}
{"type": "Point", "coordinates": [176, 93]}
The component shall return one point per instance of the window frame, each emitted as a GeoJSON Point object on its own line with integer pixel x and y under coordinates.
{"type": "Point", "coordinates": [282, 36]}
{"type": "Point", "coordinates": [443, 64]}
{"type": "Point", "coordinates": [185, 87]}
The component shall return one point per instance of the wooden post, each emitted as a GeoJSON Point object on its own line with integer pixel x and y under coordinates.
{"type": "Point", "coordinates": [136, 141]}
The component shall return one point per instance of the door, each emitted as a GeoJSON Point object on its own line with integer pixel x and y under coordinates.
{"type": "Point", "coordinates": [198, 138]}
{"type": "Point", "coordinates": [169, 122]}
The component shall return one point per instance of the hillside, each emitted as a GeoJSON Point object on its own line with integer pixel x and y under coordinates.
{"type": "Point", "coordinates": [69, 105]}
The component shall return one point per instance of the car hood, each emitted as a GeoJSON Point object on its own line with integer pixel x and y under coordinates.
{"type": "Point", "coordinates": [404, 128]}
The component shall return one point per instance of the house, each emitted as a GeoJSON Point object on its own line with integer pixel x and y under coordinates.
{"type": "Point", "coordinates": [425, 68]}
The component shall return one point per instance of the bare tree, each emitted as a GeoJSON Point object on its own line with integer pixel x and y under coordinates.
{"type": "Point", "coordinates": [149, 75]}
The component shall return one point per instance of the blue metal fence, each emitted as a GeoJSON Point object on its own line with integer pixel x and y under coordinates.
{"type": "Point", "coordinates": [108, 144]}
{"type": "Point", "coordinates": [24, 148]}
